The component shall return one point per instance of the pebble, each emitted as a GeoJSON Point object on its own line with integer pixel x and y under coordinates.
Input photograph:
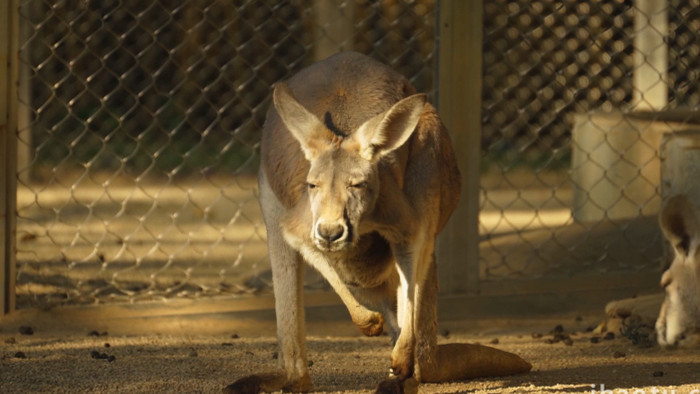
{"type": "Point", "coordinates": [619, 354]}
{"type": "Point", "coordinates": [658, 374]}
{"type": "Point", "coordinates": [20, 355]}
{"type": "Point", "coordinates": [95, 333]}
{"type": "Point", "coordinates": [26, 330]}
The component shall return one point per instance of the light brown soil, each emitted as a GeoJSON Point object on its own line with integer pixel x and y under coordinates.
{"type": "Point", "coordinates": [343, 361]}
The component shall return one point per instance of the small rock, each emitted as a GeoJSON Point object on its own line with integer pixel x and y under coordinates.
{"type": "Point", "coordinates": [111, 358]}
{"type": "Point", "coordinates": [445, 333]}
{"type": "Point", "coordinates": [107, 345]}
{"type": "Point", "coordinates": [657, 374]}
{"type": "Point", "coordinates": [26, 330]}
{"type": "Point", "coordinates": [95, 333]}
{"type": "Point", "coordinates": [20, 355]}
{"type": "Point", "coordinates": [595, 339]}
{"type": "Point", "coordinates": [97, 355]}
{"type": "Point", "coordinates": [558, 329]}
{"type": "Point", "coordinates": [619, 354]}
{"type": "Point", "coordinates": [494, 341]}
{"type": "Point", "coordinates": [568, 342]}
{"type": "Point", "coordinates": [235, 336]}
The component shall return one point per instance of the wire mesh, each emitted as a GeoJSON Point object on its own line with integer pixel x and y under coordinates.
{"type": "Point", "coordinates": [577, 95]}
{"type": "Point", "coordinates": [139, 131]}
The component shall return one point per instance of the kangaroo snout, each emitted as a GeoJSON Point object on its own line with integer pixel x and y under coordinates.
{"type": "Point", "coordinates": [330, 234]}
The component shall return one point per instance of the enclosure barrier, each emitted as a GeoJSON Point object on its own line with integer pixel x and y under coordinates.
{"type": "Point", "coordinates": [134, 134]}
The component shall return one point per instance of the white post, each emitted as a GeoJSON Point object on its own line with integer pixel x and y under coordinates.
{"type": "Point", "coordinates": [651, 55]}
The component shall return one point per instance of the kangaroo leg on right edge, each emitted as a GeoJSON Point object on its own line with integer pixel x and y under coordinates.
{"type": "Point", "coordinates": [454, 361]}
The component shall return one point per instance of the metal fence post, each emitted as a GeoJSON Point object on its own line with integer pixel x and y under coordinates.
{"type": "Point", "coordinates": [459, 104]}
{"type": "Point", "coordinates": [8, 151]}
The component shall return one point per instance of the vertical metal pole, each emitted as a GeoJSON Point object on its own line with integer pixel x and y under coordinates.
{"type": "Point", "coordinates": [9, 30]}
{"type": "Point", "coordinates": [650, 55]}
{"type": "Point", "coordinates": [459, 105]}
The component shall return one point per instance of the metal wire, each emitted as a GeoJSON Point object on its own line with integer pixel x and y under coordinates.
{"type": "Point", "coordinates": [140, 121]}
{"type": "Point", "coordinates": [139, 135]}
{"type": "Point", "coordinates": [570, 157]}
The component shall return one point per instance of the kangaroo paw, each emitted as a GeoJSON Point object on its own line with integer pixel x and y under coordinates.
{"type": "Point", "coordinates": [390, 386]}
{"type": "Point", "coordinates": [396, 386]}
{"type": "Point", "coordinates": [373, 326]}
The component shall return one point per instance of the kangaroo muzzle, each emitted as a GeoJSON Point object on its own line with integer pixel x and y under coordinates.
{"type": "Point", "coordinates": [330, 236]}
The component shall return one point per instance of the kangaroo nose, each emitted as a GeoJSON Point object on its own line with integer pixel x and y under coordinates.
{"type": "Point", "coordinates": [330, 232]}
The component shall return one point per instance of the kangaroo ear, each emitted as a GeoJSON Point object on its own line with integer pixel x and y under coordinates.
{"type": "Point", "coordinates": [390, 129]}
{"type": "Point", "coordinates": [306, 128]}
{"type": "Point", "coordinates": [679, 223]}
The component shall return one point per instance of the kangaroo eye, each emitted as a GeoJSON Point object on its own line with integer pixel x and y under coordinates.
{"type": "Point", "coordinates": [358, 185]}
{"type": "Point", "coordinates": [311, 185]}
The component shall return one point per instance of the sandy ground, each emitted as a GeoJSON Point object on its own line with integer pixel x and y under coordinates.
{"type": "Point", "coordinates": [341, 360]}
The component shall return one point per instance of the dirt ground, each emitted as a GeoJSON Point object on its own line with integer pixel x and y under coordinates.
{"type": "Point", "coordinates": [51, 360]}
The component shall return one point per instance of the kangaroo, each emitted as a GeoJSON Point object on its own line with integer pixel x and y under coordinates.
{"type": "Point", "coordinates": [357, 178]}
{"type": "Point", "coordinates": [678, 323]}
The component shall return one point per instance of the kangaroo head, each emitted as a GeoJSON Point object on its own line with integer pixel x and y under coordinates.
{"type": "Point", "coordinates": [343, 178]}
{"type": "Point", "coordinates": [679, 320]}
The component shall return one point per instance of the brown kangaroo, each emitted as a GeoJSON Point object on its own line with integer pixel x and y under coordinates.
{"type": "Point", "coordinates": [679, 319]}
{"type": "Point", "coordinates": [357, 178]}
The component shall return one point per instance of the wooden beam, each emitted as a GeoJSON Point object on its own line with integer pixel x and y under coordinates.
{"type": "Point", "coordinates": [459, 105]}
{"type": "Point", "coordinates": [9, 18]}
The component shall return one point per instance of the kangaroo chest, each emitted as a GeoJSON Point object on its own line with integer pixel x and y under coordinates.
{"type": "Point", "coordinates": [368, 264]}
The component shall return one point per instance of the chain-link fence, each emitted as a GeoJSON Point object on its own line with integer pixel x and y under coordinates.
{"type": "Point", "coordinates": [139, 125]}
{"type": "Point", "coordinates": [577, 95]}
{"type": "Point", "coordinates": [139, 129]}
